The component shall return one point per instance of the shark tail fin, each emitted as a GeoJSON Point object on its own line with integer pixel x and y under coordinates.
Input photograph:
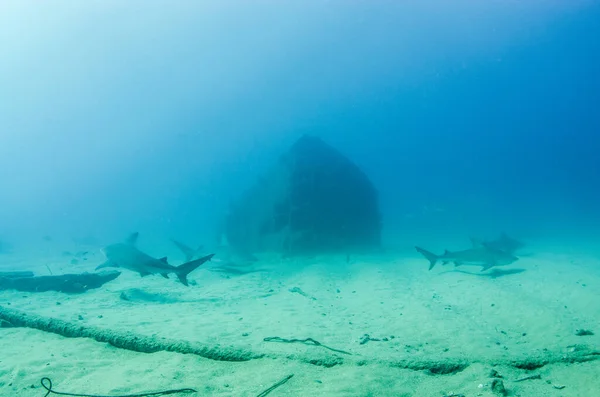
{"type": "Point", "coordinates": [431, 257]}
{"type": "Point", "coordinates": [182, 271]}
{"type": "Point", "coordinates": [189, 253]}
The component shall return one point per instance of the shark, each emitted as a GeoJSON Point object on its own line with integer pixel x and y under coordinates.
{"type": "Point", "coordinates": [189, 252]}
{"type": "Point", "coordinates": [125, 255]}
{"type": "Point", "coordinates": [503, 243]}
{"type": "Point", "coordinates": [483, 255]}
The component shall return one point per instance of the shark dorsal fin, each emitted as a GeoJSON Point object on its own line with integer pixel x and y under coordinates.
{"type": "Point", "coordinates": [488, 246]}
{"type": "Point", "coordinates": [475, 242]}
{"type": "Point", "coordinates": [132, 239]}
{"type": "Point", "coordinates": [492, 249]}
{"type": "Point", "coordinates": [164, 260]}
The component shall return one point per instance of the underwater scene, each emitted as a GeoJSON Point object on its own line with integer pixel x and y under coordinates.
{"type": "Point", "coordinates": [300, 198]}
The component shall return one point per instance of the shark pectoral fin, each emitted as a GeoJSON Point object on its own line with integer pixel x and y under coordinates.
{"type": "Point", "coordinates": [487, 266]}
{"type": "Point", "coordinates": [165, 275]}
{"type": "Point", "coordinates": [457, 263]}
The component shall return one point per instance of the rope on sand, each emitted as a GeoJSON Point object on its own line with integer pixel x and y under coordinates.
{"type": "Point", "coordinates": [145, 344]}
{"type": "Point", "coordinates": [307, 341]}
{"type": "Point", "coordinates": [122, 340]}
{"type": "Point", "coordinates": [47, 384]}
{"type": "Point", "coordinates": [275, 386]}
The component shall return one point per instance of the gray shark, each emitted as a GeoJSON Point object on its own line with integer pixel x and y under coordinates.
{"type": "Point", "coordinates": [189, 252]}
{"type": "Point", "coordinates": [484, 256]}
{"type": "Point", "coordinates": [503, 243]}
{"type": "Point", "coordinates": [127, 256]}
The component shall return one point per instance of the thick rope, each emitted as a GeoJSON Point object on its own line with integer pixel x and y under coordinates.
{"type": "Point", "coordinates": [123, 340]}
{"type": "Point", "coordinates": [145, 344]}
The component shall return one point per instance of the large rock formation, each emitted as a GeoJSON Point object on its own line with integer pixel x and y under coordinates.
{"type": "Point", "coordinates": [314, 200]}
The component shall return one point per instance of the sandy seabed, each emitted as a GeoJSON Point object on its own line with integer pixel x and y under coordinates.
{"type": "Point", "coordinates": [410, 331]}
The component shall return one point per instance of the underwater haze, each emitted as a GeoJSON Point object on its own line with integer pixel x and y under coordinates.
{"type": "Point", "coordinates": [469, 117]}
{"type": "Point", "coordinates": [305, 198]}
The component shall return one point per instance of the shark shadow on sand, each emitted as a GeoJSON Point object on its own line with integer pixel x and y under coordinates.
{"type": "Point", "coordinates": [493, 274]}
{"type": "Point", "coordinates": [137, 295]}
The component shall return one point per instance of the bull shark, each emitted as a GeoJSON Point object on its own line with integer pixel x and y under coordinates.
{"type": "Point", "coordinates": [189, 252]}
{"type": "Point", "coordinates": [125, 255]}
{"type": "Point", "coordinates": [484, 256]}
{"type": "Point", "coordinates": [503, 243]}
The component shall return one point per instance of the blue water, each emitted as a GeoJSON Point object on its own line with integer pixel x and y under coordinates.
{"type": "Point", "coordinates": [470, 118]}
{"type": "Point", "coordinates": [114, 122]}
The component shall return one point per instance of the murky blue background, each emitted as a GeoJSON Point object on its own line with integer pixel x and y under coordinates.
{"type": "Point", "coordinates": [471, 117]}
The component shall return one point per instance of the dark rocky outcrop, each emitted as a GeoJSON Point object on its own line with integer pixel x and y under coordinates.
{"type": "Point", "coordinates": [69, 283]}
{"type": "Point", "coordinates": [314, 200]}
